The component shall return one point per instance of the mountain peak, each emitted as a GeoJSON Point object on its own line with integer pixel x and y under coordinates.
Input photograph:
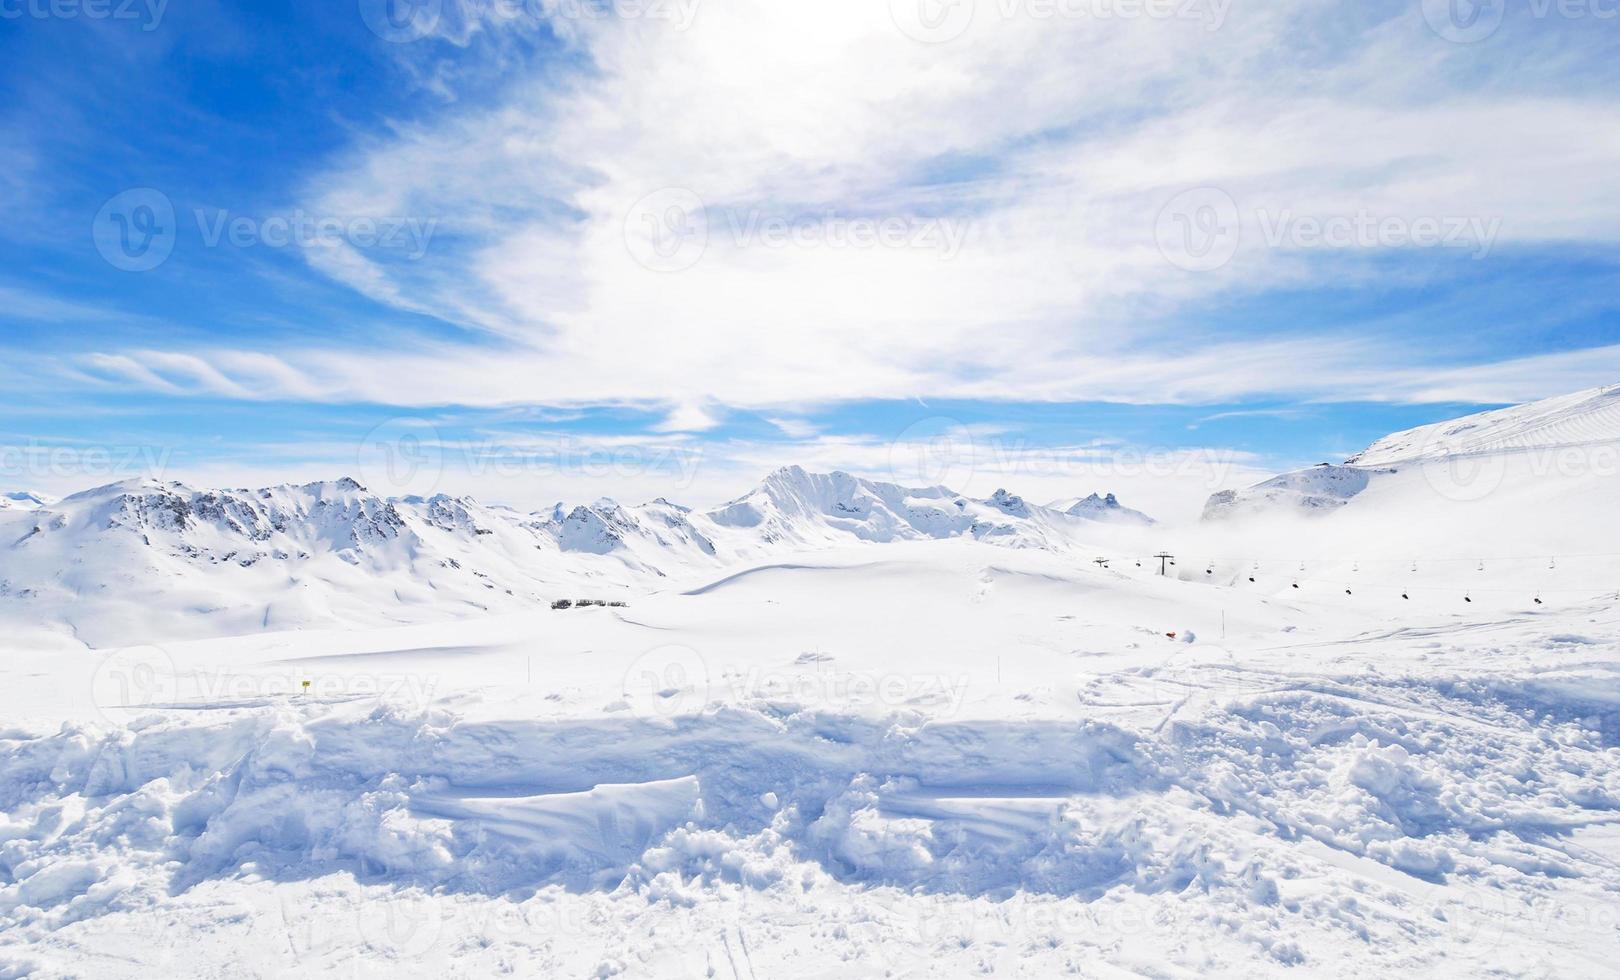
{"type": "Point", "coordinates": [1104, 507]}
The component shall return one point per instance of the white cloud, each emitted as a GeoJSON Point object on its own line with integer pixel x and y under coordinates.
{"type": "Point", "coordinates": [1044, 148]}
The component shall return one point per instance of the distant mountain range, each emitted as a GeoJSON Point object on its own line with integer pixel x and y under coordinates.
{"type": "Point", "coordinates": [146, 558]}
{"type": "Point", "coordinates": [143, 559]}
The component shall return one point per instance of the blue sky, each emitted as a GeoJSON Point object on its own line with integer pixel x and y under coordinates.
{"type": "Point", "coordinates": [658, 246]}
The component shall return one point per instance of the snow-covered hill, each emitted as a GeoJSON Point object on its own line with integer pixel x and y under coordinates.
{"type": "Point", "coordinates": [1585, 418]}
{"type": "Point", "coordinates": [1509, 466]}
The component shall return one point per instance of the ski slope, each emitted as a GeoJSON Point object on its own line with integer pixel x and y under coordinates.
{"type": "Point", "coordinates": [933, 754]}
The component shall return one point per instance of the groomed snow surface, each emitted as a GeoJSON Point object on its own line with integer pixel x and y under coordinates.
{"type": "Point", "coordinates": [866, 748]}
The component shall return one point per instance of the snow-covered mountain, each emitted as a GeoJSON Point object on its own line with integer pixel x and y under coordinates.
{"type": "Point", "coordinates": [143, 558]}
{"type": "Point", "coordinates": [796, 507]}
{"type": "Point", "coordinates": [1102, 507]}
{"type": "Point", "coordinates": [1585, 418]}
{"type": "Point", "coordinates": [1320, 488]}
{"type": "Point", "coordinates": [1534, 456]}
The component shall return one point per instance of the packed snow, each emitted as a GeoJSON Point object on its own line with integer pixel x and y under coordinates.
{"type": "Point", "coordinates": [839, 727]}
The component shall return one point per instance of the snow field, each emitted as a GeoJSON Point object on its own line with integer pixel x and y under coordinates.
{"type": "Point", "coordinates": [1387, 799]}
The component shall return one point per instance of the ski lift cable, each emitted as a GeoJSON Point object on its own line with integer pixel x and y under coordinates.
{"type": "Point", "coordinates": [1474, 559]}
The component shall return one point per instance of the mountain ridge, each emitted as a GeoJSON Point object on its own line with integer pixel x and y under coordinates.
{"type": "Point", "coordinates": [1581, 419]}
{"type": "Point", "coordinates": [112, 561]}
